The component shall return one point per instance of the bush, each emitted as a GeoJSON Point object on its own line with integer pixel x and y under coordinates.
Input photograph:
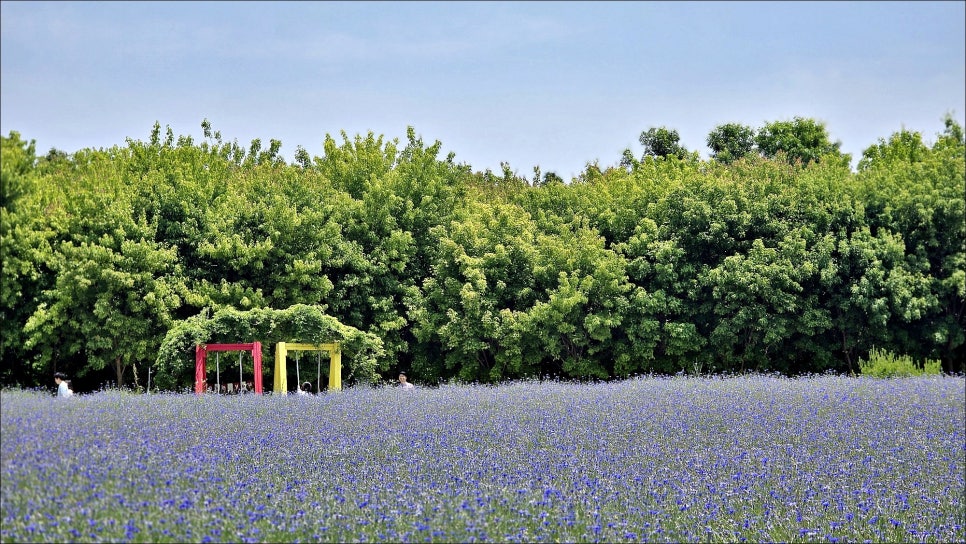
{"type": "Point", "coordinates": [884, 364]}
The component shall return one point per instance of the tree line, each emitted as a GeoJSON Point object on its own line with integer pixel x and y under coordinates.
{"type": "Point", "coordinates": [774, 255]}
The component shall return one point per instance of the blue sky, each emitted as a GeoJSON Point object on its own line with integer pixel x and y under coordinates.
{"type": "Point", "coordinates": [554, 84]}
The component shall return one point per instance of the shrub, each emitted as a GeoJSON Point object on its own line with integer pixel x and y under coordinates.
{"type": "Point", "coordinates": [884, 364]}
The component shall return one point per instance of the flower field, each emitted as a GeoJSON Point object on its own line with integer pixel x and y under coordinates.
{"type": "Point", "coordinates": [756, 458]}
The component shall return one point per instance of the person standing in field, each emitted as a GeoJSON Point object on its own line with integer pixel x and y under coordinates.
{"type": "Point", "coordinates": [404, 382]}
{"type": "Point", "coordinates": [63, 386]}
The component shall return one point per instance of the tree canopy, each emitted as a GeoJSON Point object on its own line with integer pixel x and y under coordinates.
{"type": "Point", "coordinates": [772, 256]}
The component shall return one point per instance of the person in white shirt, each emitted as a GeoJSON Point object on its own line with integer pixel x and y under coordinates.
{"type": "Point", "coordinates": [403, 382]}
{"type": "Point", "coordinates": [63, 386]}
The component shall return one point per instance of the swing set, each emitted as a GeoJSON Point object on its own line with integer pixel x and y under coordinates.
{"type": "Point", "coordinates": [335, 364]}
{"type": "Point", "coordinates": [201, 356]}
{"type": "Point", "coordinates": [281, 377]}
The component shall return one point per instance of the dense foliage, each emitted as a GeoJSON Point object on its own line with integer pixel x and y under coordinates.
{"type": "Point", "coordinates": [299, 323]}
{"type": "Point", "coordinates": [773, 256]}
{"type": "Point", "coordinates": [883, 364]}
{"type": "Point", "coordinates": [679, 459]}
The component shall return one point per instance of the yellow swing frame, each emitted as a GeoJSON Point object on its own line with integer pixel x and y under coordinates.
{"type": "Point", "coordinates": [335, 363]}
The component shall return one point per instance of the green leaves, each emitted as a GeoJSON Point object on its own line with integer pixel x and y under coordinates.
{"type": "Point", "coordinates": [730, 142]}
{"type": "Point", "coordinates": [801, 140]}
{"type": "Point", "coordinates": [662, 142]}
{"type": "Point", "coordinates": [757, 301]}
{"type": "Point", "coordinates": [111, 301]}
{"type": "Point", "coordinates": [27, 227]}
{"type": "Point", "coordinates": [470, 308]}
{"type": "Point", "coordinates": [298, 323]}
{"type": "Point", "coordinates": [746, 262]}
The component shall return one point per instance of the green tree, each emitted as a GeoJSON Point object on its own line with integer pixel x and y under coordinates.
{"type": "Point", "coordinates": [801, 140]}
{"type": "Point", "coordinates": [28, 224]}
{"type": "Point", "coordinates": [576, 322]}
{"type": "Point", "coordinates": [108, 287]}
{"type": "Point", "coordinates": [662, 335]}
{"type": "Point", "coordinates": [730, 142]}
{"type": "Point", "coordinates": [915, 193]}
{"type": "Point", "coordinates": [662, 142]}
{"type": "Point", "coordinates": [111, 304]}
{"type": "Point", "coordinates": [467, 318]}
{"type": "Point", "coordinates": [391, 222]}
{"type": "Point", "coordinates": [902, 146]}
{"type": "Point", "coordinates": [760, 304]}
{"type": "Point", "coordinates": [872, 293]}
{"type": "Point", "coordinates": [353, 164]}
{"type": "Point", "coordinates": [794, 265]}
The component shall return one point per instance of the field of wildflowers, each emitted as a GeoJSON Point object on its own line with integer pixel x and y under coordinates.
{"type": "Point", "coordinates": [755, 458]}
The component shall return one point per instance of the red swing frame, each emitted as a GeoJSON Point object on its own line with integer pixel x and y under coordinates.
{"type": "Point", "coordinates": [201, 356]}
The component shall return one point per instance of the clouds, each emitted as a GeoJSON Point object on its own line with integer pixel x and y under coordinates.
{"type": "Point", "coordinates": [552, 83]}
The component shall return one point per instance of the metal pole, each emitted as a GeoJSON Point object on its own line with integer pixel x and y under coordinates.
{"type": "Point", "coordinates": [217, 374]}
{"type": "Point", "coordinates": [241, 379]}
{"type": "Point", "coordinates": [298, 380]}
{"type": "Point", "coordinates": [149, 379]}
{"type": "Point", "coordinates": [318, 373]}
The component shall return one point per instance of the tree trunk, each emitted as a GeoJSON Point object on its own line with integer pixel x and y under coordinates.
{"type": "Point", "coordinates": [847, 352]}
{"type": "Point", "coordinates": [119, 370]}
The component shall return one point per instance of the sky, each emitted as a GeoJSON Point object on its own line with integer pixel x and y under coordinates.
{"type": "Point", "coordinates": [558, 85]}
